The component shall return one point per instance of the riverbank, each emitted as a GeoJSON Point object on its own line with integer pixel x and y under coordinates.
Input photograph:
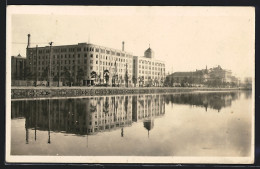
{"type": "Point", "coordinates": [48, 92]}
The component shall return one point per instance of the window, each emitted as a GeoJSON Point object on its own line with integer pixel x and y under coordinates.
{"type": "Point", "coordinates": [78, 55]}
{"type": "Point", "coordinates": [91, 55]}
{"type": "Point", "coordinates": [96, 62]}
{"type": "Point", "coordinates": [85, 55]}
{"type": "Point", "coordinates": [96, 56]}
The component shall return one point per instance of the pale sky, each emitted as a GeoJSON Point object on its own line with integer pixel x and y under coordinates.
{"type": "Point", "coordinates": [186, 38]}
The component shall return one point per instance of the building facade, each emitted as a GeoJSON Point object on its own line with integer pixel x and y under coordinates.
{"type": "Point", "coordinates": [147, 70]}
{"type": "Point", "coordinates": [18, 64]}
{"type": "Point", "coordinates": [83, 63]}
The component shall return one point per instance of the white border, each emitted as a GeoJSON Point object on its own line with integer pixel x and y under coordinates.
{"type": "Point", "coordinates": [75, 10]}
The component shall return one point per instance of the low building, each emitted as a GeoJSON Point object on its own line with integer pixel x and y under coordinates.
{"type": "Point", "coordinates": [215, 76]}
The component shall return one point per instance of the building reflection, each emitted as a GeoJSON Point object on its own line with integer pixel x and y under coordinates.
{"type": "Point", "coordinates": [88, 116]}
{"type": "Point", "coordinates": [215, 101]}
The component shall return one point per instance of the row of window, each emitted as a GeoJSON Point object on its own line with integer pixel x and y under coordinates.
{"type": "Point", "coordinates": [149, 72]}
{"type": "Point", "coordinates": [153, 68]}
{"type": "Point", "coordinates": [79, 62]}
{"type": "Point", "coordinates": [85, 49]}
{"type": "Point", "coordinates": [79, 56]}
{"type": "Point", "coordinates": [150, 63]}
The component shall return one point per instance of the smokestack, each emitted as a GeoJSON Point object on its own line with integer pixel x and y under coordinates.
{"type": "Point", "coordinates": [28, 44]}
{"type": "Point", "coordinates": [123, 46]}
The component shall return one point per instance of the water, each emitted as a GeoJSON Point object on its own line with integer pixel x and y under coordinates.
{"type": "Point", "coordinates": [187, 124]}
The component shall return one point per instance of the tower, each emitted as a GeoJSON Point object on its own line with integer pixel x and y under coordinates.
{"type": "Point", "coordinates": [149, 53]}
{"type": "Point", "coordinates": [123, 46]}
{"type": "Point", "coordinates": [29, 39]}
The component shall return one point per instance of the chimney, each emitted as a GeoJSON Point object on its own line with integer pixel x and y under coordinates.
{"type": "Point", "coordinates": [123, 46]}
{"type": "Point", "coordinates": [28, 44]}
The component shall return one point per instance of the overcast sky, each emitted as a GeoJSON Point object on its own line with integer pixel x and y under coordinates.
{"type": "Point", "coordinates": [186, 38]}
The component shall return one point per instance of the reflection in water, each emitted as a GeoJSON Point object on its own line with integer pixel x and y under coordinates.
{"type": "Point", "coordinates": [208, 100]}
{"type": "Point", "coordinates": [88, 116]}
{"type": "Point", "coordinates": [109, 123]}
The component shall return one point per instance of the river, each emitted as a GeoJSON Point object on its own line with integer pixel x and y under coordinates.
{"type": "Point", "coordinates": [178, 124]}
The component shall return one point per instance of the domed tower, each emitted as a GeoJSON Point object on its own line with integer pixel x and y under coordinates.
{"type": "Point", "coordinates": [149, 53]}
{"type": "Point", "coordinates": [148, 124]}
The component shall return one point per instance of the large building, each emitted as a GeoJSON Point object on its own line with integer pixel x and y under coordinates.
{"type": "Point", "coordinates": [83, 63]}
{"type": "Point", "coordinates": [18, 67]}
{"type": "Point", "coordinates": [89, 64]}
{"type": "Point", "coordinates": [147, 70]}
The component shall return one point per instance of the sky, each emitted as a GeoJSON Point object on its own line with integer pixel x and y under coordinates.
{"type": "Point", "coordinates": [186, 38]}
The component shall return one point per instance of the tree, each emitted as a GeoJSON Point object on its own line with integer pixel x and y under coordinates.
{"type": "Point", "coordinates": [80, 75]}
{"type": "Point", "coordinates": [126, 79]}
{"type": "Point", "coordinates": [27, 74]}
{"type": "Point", "coordinates": [141, 80]}
{"type": "Point", "coordinates": [45, 74]}
{"type": "Point", "coordinates": [106, 75]}
{"type": "Point", "coordinates": [134, 79]}
{"type": "Point", "coordinates": [56, 78]}
{"type": "Point", "coordinates": [166, 81]}
{"type": "Point", "coordinates": [68, 76]}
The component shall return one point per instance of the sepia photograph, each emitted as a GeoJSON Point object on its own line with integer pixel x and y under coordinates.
{"type": "Point", "coordinates": [130, 84]}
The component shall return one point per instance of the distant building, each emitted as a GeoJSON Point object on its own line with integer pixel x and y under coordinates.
{"type": "Point", "coordinates": [147, 70]}
{"type": "Point", "coordinates": [218, 73]}
{"type": "Point", "coordinates": [213, 76]}
{"type": "Point", "coordinates": [247, 82]}
{"type": "Point", "coordinates": [17, 67]}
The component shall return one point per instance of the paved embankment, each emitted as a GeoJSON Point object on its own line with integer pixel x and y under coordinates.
{"type": "Point", "coordinates": [47, 92]}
